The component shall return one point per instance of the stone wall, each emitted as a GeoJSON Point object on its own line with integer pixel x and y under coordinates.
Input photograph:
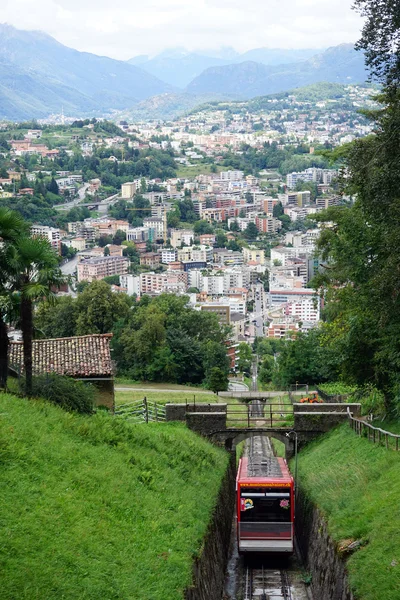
{"type": "Point", "coordinates": [209, 568]}
{"type": "Point", "coordinates": [206, 423]}
{"type": "Point", "coordinates": [317, 422]}
{"type": "Point", "coordinates": [319, 552]}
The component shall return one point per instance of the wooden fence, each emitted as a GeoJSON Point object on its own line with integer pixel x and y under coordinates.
{"type": "Point", "coordinates": [374, 434]}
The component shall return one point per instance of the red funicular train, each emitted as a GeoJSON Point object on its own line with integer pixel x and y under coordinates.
{"type": "Point", "coordinates": [265, 506]}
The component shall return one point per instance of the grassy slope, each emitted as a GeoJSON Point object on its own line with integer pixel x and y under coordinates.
{"type": "Point", "coordinates": [357, 486]}
{"type": "Point", "coordinates": [95, 508]}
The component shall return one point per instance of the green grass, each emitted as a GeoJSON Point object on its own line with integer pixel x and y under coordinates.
{"type": "Point", "coordinates": [336, 388]}
{"type": "Point", "coordinates": [190, 171]}
{"type": "Point", "coordinates": [125, 382]}
{"type": "Point", "coordinates": [356, 484]}
{"type": "Point", "coordinates": [93, 507]}
{"type": "Point", "coordinates": [388, 425]}
{"type": "Point", "coordinates": [124, 397]}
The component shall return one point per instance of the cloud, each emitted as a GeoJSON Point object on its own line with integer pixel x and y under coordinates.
{"type": "Point", "coordinates": [124, 28]}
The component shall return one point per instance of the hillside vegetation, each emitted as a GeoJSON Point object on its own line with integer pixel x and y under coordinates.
{"type": "Point", "coordinates": [95, 508]}
{"type": "Point", "coordinates": [356, 484]}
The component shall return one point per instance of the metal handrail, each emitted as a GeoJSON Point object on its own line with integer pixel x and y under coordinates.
{"type": "Point", "coordinates": [358, 426]}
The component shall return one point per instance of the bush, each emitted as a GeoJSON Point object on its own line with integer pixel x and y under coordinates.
{"type": "Point", "coordinates": [71, 395]}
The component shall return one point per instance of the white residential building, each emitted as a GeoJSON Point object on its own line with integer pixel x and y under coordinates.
{"type": "Point", "coordinates": [131, 283]}
{"type": "Point", "coordinates": [155, 223]}
{"type": "Point", "coordinates": [168, 256]}
{"type": "Point", "coordinates": [138, 234]}
{"type": "Point", "coordinates": [52, 234]}
{"type": "Point", "coordinates": [181, 236]}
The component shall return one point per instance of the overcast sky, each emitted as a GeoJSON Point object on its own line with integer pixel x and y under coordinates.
{"type": "Point", "coordinates": [124, 28]}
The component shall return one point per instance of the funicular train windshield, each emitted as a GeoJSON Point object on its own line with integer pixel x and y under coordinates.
{"type": "Point", "coordinates": [265, 504]}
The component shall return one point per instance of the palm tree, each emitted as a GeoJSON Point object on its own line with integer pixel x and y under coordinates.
{"type": "Point", "coordinates": [12, 227]}
{"type": "Point", "coordinates": [37, 275]}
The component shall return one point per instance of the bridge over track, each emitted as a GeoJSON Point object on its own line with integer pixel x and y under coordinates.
{"type": "Point", "coordinates": [307, 421]}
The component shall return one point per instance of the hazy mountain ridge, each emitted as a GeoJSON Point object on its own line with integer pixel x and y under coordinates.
{"type": "Point", "coordinates": [79, 81]}
{"type": "Point", "coordinates": [179, 67]}
{"type": "Point", "coordinates": [339, 64]}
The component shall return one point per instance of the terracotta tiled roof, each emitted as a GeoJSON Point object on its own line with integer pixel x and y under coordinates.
{"type": "Point", "coordinates": [80, 356]}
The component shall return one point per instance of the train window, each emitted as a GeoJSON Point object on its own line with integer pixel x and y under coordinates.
{"type": "Point", "coordinates": [271, 505]}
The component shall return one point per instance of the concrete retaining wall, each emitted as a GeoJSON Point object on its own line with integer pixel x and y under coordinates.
{"type": "Point", "coordinates": [320, 555]}
{"type": "Point", "coordinates": [209, 568]}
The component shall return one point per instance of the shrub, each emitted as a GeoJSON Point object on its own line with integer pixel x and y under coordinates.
{"type": "Point", "coordinates": [71, 395]}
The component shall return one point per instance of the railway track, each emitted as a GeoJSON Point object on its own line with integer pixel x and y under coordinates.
{"type": "Point", "coordinates": [267, 584]}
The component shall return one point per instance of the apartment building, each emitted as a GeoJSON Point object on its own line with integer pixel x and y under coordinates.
{"type": "Point", "coordinates": [109, 226]}
{"type": "Point", "coordinates": [222, 311]}
{"type": "Point", "coordinates": [195, 253]}
{"type": "Point", "coordinates": [213, 285]}
{"type": "Point", "coordinates": [128, 190]}
{"type": "Point", "coordinates": [227, 257]}
{"type": "Point", "coordinates": [150, 259]}
{"type": "Point", "coordinates": [98, 268]}
{"type": "Point", "coordinates": [253, 254]}
{"type": "Point", "coordinates": [155, 223]}
{"type": "Point", "coordinates": [304, 309]}
{"type": "Point", "coordinates": [181, 236]}
{"type": "Point", "coordinates": [231, 175]}
{"type": "Point", "coordinates": [168, 256]}
{"type": "Point", "coordinates": [79, 243]}
{"type": "Point", "coordinates": [139, 234]}
{"type": "Point", "coordinates": [267, 224]}
{"type": "Point", "coordinates": [169, 281]}
{"type": "Point", "coordinates": [130, 284]}
{"type": "Point", "coordinates": [52, 234]}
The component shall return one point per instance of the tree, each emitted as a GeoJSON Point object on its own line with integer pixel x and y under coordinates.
{"type": "Point", "coordinates": [277, 211]}
{"type": "Point", "coordinates": [37, 275]}
{"type": "Point", "coordinates": [56, 319]}
{"type": "Point", "coordinates": [119, 237]}
{"type": "Point", "coordinates": [104, 240]}
{"type": "Point", "coordinates": [201, 227]}
{"type": "Point", "coordinates": [99, 309]}
{"type": "Point", "coordinates": [245, 357]}
{"type": "Point", "coordinates": [52, 186]}
{"type": "Point", "coordinates": [266, 371]}
{"type": "Point", "coordinates": [251, 231]}
{"type": "Point", "coordinates": [12, 227]}
{"type": "Point", "coordinates": [221, 240]}
{"type": "Point", "coordinates": [217, 380]}
{"type": "Point", "coordinates": [380, 39]}
{"type": "Point", "coordinates": [106, 251]}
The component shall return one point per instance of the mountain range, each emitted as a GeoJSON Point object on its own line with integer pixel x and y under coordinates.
{"type": "Point", "coordinates": [40, 76]}
{"type": "Point", "coordinates": [339, 64]}
{"type": "Point", "coordinates": [178, 67]}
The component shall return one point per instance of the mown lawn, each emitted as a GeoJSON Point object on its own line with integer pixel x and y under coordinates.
{"type": "Point", "coordinates": [163, 397]}
{"type": "Point", "coordinates": [95, 508]}
{"type": "Point", "coordinates": [357, 486]}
